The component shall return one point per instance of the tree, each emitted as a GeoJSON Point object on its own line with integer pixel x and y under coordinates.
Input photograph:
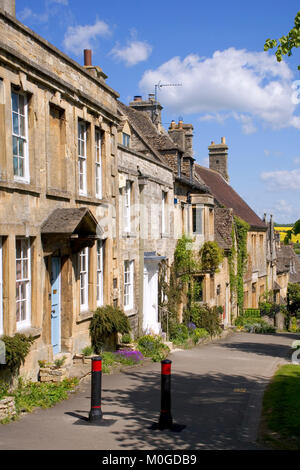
{"type": "Point", "coordinates": [294, 231]}
{"type": "Point", "coordinates": [286, 43]}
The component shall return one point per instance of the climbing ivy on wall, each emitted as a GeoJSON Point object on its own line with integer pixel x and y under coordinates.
{"type": "Point", "coordinates": [187, 263]}
{"type": "Point", "coordinates": [237, 259]}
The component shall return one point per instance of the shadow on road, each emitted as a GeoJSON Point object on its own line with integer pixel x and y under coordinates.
{"type": "Point", "coordinates": [264, 349]}
{"type": "Point", "coordinates": [214, 408]}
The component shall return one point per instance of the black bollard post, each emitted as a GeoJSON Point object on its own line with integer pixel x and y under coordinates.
{"type": "Point", "coordinates": [96, 412]}
{"type": "Point", "coordinates": [165, 419]}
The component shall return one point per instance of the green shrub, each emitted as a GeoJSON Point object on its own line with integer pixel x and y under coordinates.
{"type": "Point", "coordinates": [179, 333]}
{"type": "Point", "coordinates": [106, 321]}
{"type": "Point", "coordinates": [151, 346]}
{"type": "Point", "coordinates": [16, 349]}
{"type": "Point", "coordinates": [43, 395]}
{"type": "Point", "coordinates": [293, 325]}
{"type": "Point", "coordinates": [207, 317]}
{"type": "Point", "coordinates": [198, 334]}
{"type": "Point", "coordinates": [261, 327]}
{"type": "Point", "coordinates": [3, 390]}
{"type": "Point", "coordinates": [250, 316]}
{"type": "Point", "coordinates": [126, 338]}
{"type": "Point", "coordinates": [87, 351]}
{"type": "Point", "coordinates": [60, 362]}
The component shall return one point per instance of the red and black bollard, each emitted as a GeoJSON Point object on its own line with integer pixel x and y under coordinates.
{"type": "Point", "coordinates": [96, 411]}
{"type": "Point", "coordinates": [165, 419]}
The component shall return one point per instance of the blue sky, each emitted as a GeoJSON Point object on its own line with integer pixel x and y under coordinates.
{"type": "Point", "coordinates": [230, 87]}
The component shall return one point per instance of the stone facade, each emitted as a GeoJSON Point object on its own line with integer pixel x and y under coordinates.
{"type": "Point", "coordinates": [48, 97]}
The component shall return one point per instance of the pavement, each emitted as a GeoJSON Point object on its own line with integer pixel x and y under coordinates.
{"type": "Point", "coordinates": [217, 392]}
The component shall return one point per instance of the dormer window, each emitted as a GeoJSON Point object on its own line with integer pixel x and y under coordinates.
{"type": "Point", "coordinates": [126, 139]}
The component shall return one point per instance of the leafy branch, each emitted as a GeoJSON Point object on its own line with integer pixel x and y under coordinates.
{"type": "Point", "coordinates": [285, 44]}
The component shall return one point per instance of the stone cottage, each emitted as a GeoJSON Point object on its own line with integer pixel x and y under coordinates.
{"type": "Point", "coordinates": [58, 188]}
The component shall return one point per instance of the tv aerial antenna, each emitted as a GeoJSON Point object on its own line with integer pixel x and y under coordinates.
{"type": "Point", "coordinates": [158, 86]}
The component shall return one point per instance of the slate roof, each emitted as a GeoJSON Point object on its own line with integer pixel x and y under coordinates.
{"type": "Point", "coordinates": [66, 221]}
{"type": "Point", "coordinates": [223, 227]}
{"type": "Point", "coordinates": [226, 196]}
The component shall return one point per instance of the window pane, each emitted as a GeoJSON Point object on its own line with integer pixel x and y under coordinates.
{"type": "Point", "coordinates": [21, 167]}
{"type": "Point", "coordinates": [15, 145]}
{"type": "Point", "coordinates": [21, 105]}
{"type": "Point", "coordinates": [15, 123]}
{"type": "Point", "coordinates": [18, 316]}
{"type": "Point", "coordinates": [21, 147]}
{"type": "Point", "coordinates": [15, 102]}
{"type": "Point", "coordinates": [15, 163]}
{"type": "Point", "coordinates": [22, 126]}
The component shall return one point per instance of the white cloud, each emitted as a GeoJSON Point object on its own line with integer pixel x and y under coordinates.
{"type": "Point", "coordinates": [27, 13]}
{"type": "Point", "coordinates": [282, 180]}
{"type": "Point", "coordinates": [133, 53]}
{"type": "Point", "coordinates": [81, 37]}
{"type": "Point", "coordinates": [237, 84]}
{"type": "Point", "coordinates": [297, 160]}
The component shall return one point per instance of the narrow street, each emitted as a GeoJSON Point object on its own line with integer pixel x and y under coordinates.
{"type": "Point", "coordinates": [216, 392]}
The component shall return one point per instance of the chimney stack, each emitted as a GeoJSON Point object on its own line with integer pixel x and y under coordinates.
{"type": "Point", "coordinates": [9, 6]}
{"type": "Point", "coordinates": [87, 58]}
{"type": "Point", "coordinates": [218, 156]}
{"type": "Point", "coordinates": [137, 98]}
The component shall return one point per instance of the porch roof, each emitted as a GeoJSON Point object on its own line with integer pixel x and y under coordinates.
{"type": "Point", "coordinates": [69, 221]}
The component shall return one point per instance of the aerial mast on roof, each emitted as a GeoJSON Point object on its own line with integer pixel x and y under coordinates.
{"type": "Point", "coordinates": [160, 85]}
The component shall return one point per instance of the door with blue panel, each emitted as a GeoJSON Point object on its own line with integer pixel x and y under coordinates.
{"type": "Point", "coordinates": [55, 304]}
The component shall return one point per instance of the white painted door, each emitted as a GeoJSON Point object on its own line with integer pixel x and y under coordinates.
{"type": "Point", "coordinates": [150, 320]}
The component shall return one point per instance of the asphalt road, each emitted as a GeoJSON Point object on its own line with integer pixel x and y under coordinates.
{"type": "Point", "coordinates": [217, 391]}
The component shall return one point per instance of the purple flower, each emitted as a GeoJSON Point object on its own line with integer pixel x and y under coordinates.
{"type": "Point", "coordinates": [136, 356]}
{"type": "Point", "coordinates": [191, 326]}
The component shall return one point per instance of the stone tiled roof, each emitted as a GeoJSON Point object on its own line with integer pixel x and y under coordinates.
{"type": "Point", "coordinates": [66, 221]}
{"type": "Point", "coordinates": [226, 196]}
{"type": "Point", "coordinates": [143, 123]}
{"type": "Point", "coordinates": [223, 227]}
{"type": "Point", "coordinates": [288, 261]}
{"type": "Point", "coordinates": [285, 254]}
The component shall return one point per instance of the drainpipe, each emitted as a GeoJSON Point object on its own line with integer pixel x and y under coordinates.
{"type": "Point", "coordinates": [142, 183]}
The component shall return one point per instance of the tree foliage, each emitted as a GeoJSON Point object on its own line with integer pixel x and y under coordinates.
{"type": "Point", "coordinates": [294, 231]}
{"type": "Point", "coordinates": [285, 44]}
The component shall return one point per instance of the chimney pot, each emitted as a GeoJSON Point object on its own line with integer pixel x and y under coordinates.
{"type": "Point", "coordinates": [223, 140]}
{"type": "Point", "coordinates": [87, 58]}
{"type": "Point", "coordinates": [137, 98]}
{"type": "Point", "coordinates": [212, 142]}
{"type": "Point", "coordinates": [151, 96]}
{"type": "Point", "coordinates": [180, 123]}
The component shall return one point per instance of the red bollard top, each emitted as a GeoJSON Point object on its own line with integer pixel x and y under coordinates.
{"type": "Point", "coordinates": [166, 367]}
{"type": "Point", "coordinates": [97, 364]}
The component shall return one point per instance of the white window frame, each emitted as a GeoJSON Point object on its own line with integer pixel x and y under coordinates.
{"type": "Point", "coordinates": [164, 196]}
{"type": "Point", "coordinates": [1, 290]}
{"type": "Point", "coordinates": [100, 251]}
{"type": "Point", "coordinates": [98, 163]}
{"type": "Point", "coordinates": [20, 137]}
{"type": "Point", "coordinates": [84, 279]}
{"type": "Point", "coordinates": [201, 210]}
{"type": "Point", "coordinates": [125, 139]}
{"type": "Point", "coordinates": [82, 157]}
{"type": "Point", "coordinates": [128, 284]}
{"type": "Point", "coordinates": [127, 206]}
{"type": "Point", "coordinates": [24, 281]}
